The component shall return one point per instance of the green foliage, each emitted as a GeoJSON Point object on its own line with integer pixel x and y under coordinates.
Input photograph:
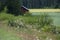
{"type": "Point", "coordinates": [14, 6]}
{"type": "Point", "coordinates": [2, 5]}
{"type": "Point", "coordinates": [27, 14]}
{"type": "Point", "coordinates": [45, 20]}
{"type": "Point", "coordinates": [16, 23]}
{"type": "Point", "coordinates": [48, 29]}
{"type": "Point", "coordinates": [30, 19]}
{"type": "Point", "coordinates": [42, 22]}
{"type": "Point", "coordinates": [58, 37]}
{"type": "Point", "coordinates": [4, 16]}
{"type": "Point", "coordinates": [58, 30]}
{"type": "Point", "coordinates": [5, 35]}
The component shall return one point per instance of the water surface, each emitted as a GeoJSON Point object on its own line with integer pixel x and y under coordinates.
{"type": "Point", "coordinates": [54, 15]}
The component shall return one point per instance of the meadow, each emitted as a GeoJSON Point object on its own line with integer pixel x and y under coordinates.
{"type": "Point", "coordinates": [27, 27]}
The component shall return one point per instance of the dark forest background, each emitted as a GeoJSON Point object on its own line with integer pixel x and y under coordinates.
{"type": "Point", "coordinates": [36, 3]}
{"type": "Point", "coordinates": [14, 6]}
{"type": "Point", "coordinates": [41, 3]}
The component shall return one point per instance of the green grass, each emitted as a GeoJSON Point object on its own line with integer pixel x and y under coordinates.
{"type": "Point", "coordinates": [4, 35]}
{"type": "Point", "coordinates": [4, 16]}
{"type": "Point", "coordinates": [58, 37]}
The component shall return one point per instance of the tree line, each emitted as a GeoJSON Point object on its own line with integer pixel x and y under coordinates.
{"type": "Point", "coordinates": [41, 3]}
{"type": "Point", "coordinates": [14, 6]}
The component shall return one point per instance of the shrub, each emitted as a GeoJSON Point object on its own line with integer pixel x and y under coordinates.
{"type": "Point", "coordinates": [27, 14]}
{"type": "Point", "coordinates": [16, 23]}
{"type": "Point", "coordinates": [48, 28]}
{"type": "Point", "coordinates": [4, 16]}
{"type": "Point", "coordinates": [44, 21]}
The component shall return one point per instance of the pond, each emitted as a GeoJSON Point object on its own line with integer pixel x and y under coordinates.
{"type": "Point", "coordinates": [54, 15]}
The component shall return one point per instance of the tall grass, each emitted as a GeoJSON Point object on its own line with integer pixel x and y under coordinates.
{"type": "Point", "coordinates": [5, 35]}
{"type": "Point", "coordinates": [41, 22]}
{"type": "Point", "coordinates": [4, 16]}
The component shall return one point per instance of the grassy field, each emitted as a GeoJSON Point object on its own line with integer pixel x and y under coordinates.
{"type": "Point", "coordinates": [26, 33]}
{"type": "Point", "coordinates": [6, 34]}
{"type": "Point", "coordinates": [44, 10]}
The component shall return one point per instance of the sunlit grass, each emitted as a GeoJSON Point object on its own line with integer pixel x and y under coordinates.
{"type": "Point", "coordinates": [44, 10]}
{"type": "Point", "coordinates": [4, 35]}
